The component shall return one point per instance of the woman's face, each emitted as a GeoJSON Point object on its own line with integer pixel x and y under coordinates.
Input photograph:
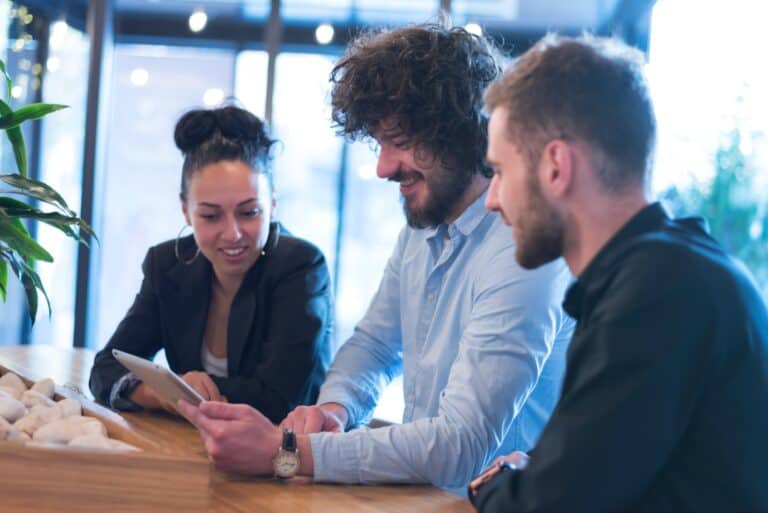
{"type": "Point", "coordinates": [229, 207]}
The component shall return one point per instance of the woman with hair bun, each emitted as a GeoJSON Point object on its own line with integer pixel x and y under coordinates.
{"type": "Point", "coordinates": [241, 307]}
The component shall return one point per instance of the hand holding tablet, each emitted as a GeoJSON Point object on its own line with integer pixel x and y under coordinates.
{"type": "Point", "coordinates": [167, 385]}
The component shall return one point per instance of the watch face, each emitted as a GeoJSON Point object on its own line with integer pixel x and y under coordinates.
{"type": "Point", "coordinates": [286, 464]}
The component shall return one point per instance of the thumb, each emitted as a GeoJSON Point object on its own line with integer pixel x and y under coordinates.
{"type": "Point", "coordinates": [332, 424]}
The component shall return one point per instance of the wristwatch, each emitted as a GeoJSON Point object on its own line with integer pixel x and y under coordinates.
{"type": "Point", "coordinates": [286, 461]}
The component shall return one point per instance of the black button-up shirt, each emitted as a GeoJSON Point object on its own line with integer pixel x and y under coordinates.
{"type": "Point", "coordinates": [665, 400]}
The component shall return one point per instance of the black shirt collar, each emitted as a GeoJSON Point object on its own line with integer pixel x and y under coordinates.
{"type": "Point", "coordinates": [650, 218]}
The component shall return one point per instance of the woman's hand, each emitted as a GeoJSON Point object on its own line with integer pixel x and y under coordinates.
{"type": "Point", "coordinates": [203, 385]}
{"type": "Point", "coordinates": [145, 397]}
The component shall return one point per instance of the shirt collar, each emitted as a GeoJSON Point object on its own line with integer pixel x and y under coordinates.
{"type": "Point", "coordinates": [648, 219]}
{"type": "Point", "coordinates": [467, 221]}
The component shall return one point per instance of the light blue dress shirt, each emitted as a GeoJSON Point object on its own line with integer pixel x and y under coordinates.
{"type": "Point", "coordinates": [480, 342]}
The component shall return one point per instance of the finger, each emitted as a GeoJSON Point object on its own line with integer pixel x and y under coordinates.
{"type": "Point", "coordinates": [225, 411]}
{"type": "Point", "coordinates": [494, 464]}
{"type": "Point", "coordinates": [307, 422]}
{"type": "Point", "coordinates": [198, 383]}
{"type": "Point", "coordinates": [520, 459]}
{"type": "Point", "coordinates": [333, 424]}
{"type": "Point", "coordinates": [213, 390]}
{"type": "Point", "coordinates": [288, 422]}
{"type": "Point", "coordinates": [190, 412]}
{"type": "Point", "coordinates": [297, 420]}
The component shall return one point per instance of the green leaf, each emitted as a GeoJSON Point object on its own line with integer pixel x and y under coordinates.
{"type": "Point", "coordinates": [6, 202]}
{"type": "Point", "coordinates": [13, 233]}
{"type": "Point", "coordinates": [31, 292]}
{"type": "Point", "coordinates": [3, 277]}
{"type": "Point", "coordinates": [16, 138]}
{"type": "Point", "coordinates": [37, 190]}
{"type": "Point", "coordinates": [58, 221]}
{"type": "Point", "coordinates": [26, 113]}
{"type": "Point", "coordinates": [8, 81]}
{"type": "Point", "coordinates": [31, 281]}
{"type": "Point", "coordinates": [16, 208]}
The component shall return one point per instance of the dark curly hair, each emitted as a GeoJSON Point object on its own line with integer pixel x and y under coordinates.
{"type": "Point", "coordinates": [428, 78]}
{"type": "Point", "coordinates": [205, 136]}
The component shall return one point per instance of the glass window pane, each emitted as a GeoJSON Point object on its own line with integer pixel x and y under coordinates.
{"type": "Point", "coordinates": [397, 11]}
{"type": "Point", "coordinates": [152, 86]}
{"type": "Point", "coordinates": [373, 218]}
{"type": "Point", "coordinates": [307, 162]}
{"type": "Point", "coordinates": [66, 80]}
{"type": "Point", "coordinates": [365, 11]}
{"type": "Point", "coordinates": [251, 80]}
{"type": "Point", "coordinates": [484, 10]}
{"type": "Point", "coordinates": [712, 150]}
{"type": "Point", "coordinates": [316, 10]}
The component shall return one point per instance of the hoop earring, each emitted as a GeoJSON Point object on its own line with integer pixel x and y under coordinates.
{"type": "Point", "coordinates": [178, 253]}
{"type": "Point", "coordinates": [274, 236]}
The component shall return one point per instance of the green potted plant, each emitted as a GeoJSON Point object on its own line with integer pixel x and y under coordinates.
{"type": "Point", "coordinates": [18, 250]}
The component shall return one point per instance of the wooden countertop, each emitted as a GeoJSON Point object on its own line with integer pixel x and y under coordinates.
{"type": "Point", "coordinates": [230, 494]}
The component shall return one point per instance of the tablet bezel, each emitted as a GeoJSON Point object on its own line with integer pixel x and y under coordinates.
{"type": "Point", "coordinates": [165, 383]}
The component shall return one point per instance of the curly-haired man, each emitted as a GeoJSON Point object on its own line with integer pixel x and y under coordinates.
{"type": "Point", "coordinates": [480, 342]}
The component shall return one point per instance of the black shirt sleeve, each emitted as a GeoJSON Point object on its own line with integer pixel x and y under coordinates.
{"type": "Point", "coordinates": [138, 333]}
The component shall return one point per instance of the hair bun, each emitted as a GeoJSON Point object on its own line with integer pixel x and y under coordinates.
{"type": "Point", "coordinates": [194, 127]}
{"type": "Point", "coordinates": [241, 125]}
{"type": "Point", "coordinates": [233, 123]}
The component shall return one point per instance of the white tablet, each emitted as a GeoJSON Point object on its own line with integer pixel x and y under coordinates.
{"type": "Point", "coordinates": [165, 383]}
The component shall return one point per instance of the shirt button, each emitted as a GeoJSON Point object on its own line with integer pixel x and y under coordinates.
{"type": "Point", "coordinates": [431, 296]}
{"type": "Point", "coordinates": [410, 398]}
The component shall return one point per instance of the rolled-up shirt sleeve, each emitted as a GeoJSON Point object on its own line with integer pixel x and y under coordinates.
{"type": "Point", "coordinates": [514, 320]}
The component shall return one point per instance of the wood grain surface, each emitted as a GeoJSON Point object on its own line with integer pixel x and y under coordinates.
{"type": "Point", "coordinates": [177, 440]}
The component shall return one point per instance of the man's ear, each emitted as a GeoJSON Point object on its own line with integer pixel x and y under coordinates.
{"type": "Point", "coordinates": [556, 168]}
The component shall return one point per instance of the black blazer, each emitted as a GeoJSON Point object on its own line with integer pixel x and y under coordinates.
{"type": "Point", "coordinates": [278, 340]}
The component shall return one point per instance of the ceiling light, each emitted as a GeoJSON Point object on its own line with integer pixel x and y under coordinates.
{"type": "Point", "coordinates": [367, 171]}
{"type": "Point", "coordinates": [59, 30]}
{"type": "Point", "coordinates": [53, 64]}
{"type": "Point", "coordinates": [198, 20]}
{"type": "Point", "coordinates": [213, 97]}
{"type": "Point", "coordinates": [139, 77]}
{"type": "Point", "coordinates": [474, 28]}
{"type": "Point", "coordinates": [324, 33]}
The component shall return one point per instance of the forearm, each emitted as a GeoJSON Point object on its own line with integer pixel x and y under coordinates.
{"type": "Point", "coordinates": [426, 451]}
{"type": "Point", "coordinates": [362, 367]}
{"type": "Point", "coordinates": [144, 397]}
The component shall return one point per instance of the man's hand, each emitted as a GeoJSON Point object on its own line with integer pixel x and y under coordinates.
{"type": "Point", "coordinates": [517, 460]}
{"type": "Point", "coordinates": [314, 419]}
{"type": "Point", "coordinates": [238, 438]}
{"type": "Point", "coordinates": [203, 384]}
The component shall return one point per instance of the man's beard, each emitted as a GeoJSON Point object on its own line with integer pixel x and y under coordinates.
{"type": "Point", "coordinates": [445, 187]}
{"type": "Point", "coordinates": [540, 231]}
